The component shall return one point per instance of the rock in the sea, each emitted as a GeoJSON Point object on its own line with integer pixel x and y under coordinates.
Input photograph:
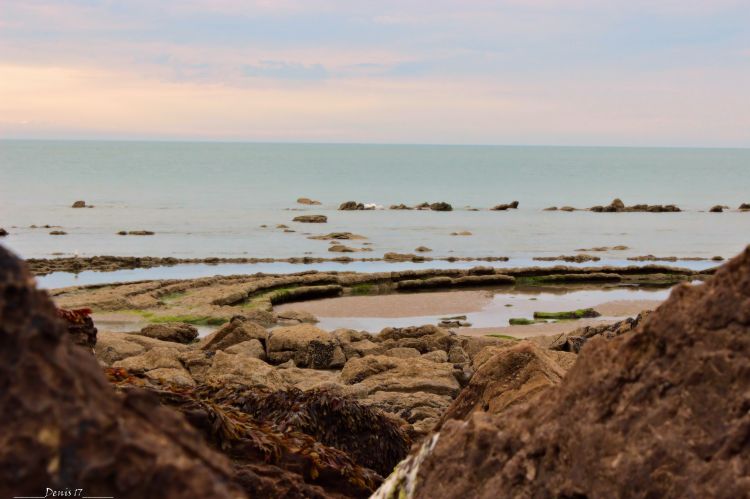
{"type": "Point", "coordinates": [79, 204]}
{"type": "Point", "coordinates": [401, 206]}
{"type": "Point", "coordinates": [64, 427]}
{"type": "Point", "coordinates": [441, 206]}
{"type": "Point", "coordinates": [422, 249]}
{"type": "Point", "coordinates": [3, 232]}
{"type": "Point", "coordinates": [337, 236]}
{"type": "Point", "coordinates": [568, 258]}
{"type": "Point", "coordinates": [58, 233]}
{"type": "Point", "coordinates": [504, 207]}
{"type": "Point", "coordinates": [618, 206]}
{"type": "Point", "coordinates": [659, 412]}
{"type": "Point", "coordinates": [402, 257]}
{"type": "Point", "coordinates": [308, 201]}
{"type": "Point", "coordinates": [136, 233]}
{"type": "Point", "coordinates": [716, 209]}
{"type": "Point", "coordinates": [179, 332]}
{"type": "Point", "coordinates": [744, 207]}
{"type": "Point", "coordinates": [311, 219]}
{"type": "Point", "coordinates": [351, 206]}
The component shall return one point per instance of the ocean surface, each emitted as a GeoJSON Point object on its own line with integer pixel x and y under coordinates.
{"type": "Point", "coordinates": [210, 199]}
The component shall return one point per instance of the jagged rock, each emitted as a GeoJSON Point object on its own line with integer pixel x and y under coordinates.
{"type": "Point", "coordinates": [394, 384]}
{"type": "Point", "coordinates": [243, 369]}
{"type": "Point", "coordinates": [436, 356]}
{"type": "Point", "coordinates": [361, 348]}
{"type": "Point", "coordinates": [253, 348]}
{"type": "Point", "coordinates": [80, 326]}
{"type": "Point", "coordinates": [574, 341]}
{"type": "Point", "coordinates": [457, 355]}
{"type": "Point", "coordinates": [505, 377]}
{"type": "Point", "coordinates": [401, 206]}
{"type": "Point", "coordinates": [422, 338]}
{"type": "Point", "coordinates": [402, 352]}
{"type": "Point", "coordinates": [64, 427]}
{"type": "Point", "coordinates": [111, 347]}
{"type": "Point", "coordinates": [659, 412]}
{"type": "Point", "coordinates": [170, 376]}
{"type": "Point", "coordinates": [155, 358]}
{"type": "Point", "coordinates": [237, 330]}
{"type": "Point", "coordinates": [79, 204]}
{"type": "Point", "coordinates": [178, 332]}
{"type": "Point", "coordinates": [307, 345]}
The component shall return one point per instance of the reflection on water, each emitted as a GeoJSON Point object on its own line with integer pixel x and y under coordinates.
{"type": "Point", "coordinates": [505, 306]}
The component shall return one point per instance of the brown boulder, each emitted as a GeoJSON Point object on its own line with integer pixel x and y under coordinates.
{"type": "Point", "coordinates": [64, 427]}
{"type": "Point", "coordinates": [506, 377]}
{"type": "Point", "coordinates": [307, 346]}
{"type": "Point", "coordinates": [659, 412]}
{"type": "Point", "coordinates": [235, 331]}
{"type": "Point", "coordinates": [178, 332]}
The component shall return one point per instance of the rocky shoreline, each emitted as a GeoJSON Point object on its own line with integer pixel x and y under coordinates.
{"type": "Point", "coordinates": [271, 405]}
{"type": "Point", "coordinates": [108, 263]}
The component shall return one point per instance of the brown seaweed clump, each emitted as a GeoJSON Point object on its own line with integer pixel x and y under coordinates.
{"type": "Point", "coordinates": [370, 437]}
{"type": "Point", "coordinates": [319, 441]}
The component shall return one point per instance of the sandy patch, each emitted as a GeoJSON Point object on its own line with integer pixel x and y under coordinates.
{"type": "Point", "coordinates": [397, 305]}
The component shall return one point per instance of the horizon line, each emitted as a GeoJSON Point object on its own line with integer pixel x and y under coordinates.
{"type": "Point", "coordinates": [354, 143]}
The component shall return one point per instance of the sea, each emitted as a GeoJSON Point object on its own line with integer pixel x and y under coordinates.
{"type": "Point", "coordinates": [207, 199]}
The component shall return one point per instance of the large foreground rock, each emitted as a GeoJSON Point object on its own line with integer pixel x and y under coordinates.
{"type": "Point", "coordinates": [63, 426]}
{"type": "Point", "coordinates": [662, 411]}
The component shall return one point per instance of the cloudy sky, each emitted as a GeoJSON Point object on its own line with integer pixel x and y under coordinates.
{"type": "Point", "coordinates": [570, 72]}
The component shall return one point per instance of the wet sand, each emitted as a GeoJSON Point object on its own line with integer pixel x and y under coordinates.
{"type": "Point", "coordinates": [396, 305]}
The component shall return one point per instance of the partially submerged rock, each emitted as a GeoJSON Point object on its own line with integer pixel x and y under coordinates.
{"type": "Point", "coordinates": [618, 206]}
{"type": "Point", "coordinates": [506, 206]}
{"type": "Point", "coordinates": [311, 219]}
{"type": "Point", "coordinates": [307, 201]}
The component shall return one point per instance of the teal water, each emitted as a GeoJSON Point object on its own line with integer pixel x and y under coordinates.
{"type": "Point", "coordinates": [210, 199]}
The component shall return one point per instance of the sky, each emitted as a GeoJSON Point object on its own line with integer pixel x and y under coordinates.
{"type": "Point", "coordinates": [547, 72]}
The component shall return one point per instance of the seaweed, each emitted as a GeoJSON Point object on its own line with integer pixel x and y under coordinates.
{"type": "Point", "coordinates": [572, 314]}
{"type": "Point", "coordinates": [326, 439]}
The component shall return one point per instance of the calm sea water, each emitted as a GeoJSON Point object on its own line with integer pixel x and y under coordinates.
{"type": "Point", "coordinates": [210, 199]}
